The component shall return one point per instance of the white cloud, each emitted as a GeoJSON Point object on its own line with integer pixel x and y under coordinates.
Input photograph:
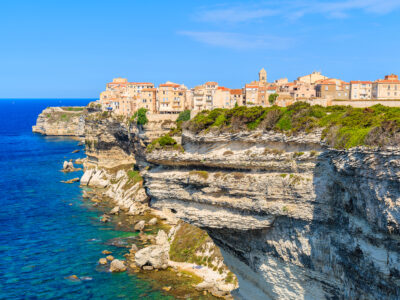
{"type": "Point", "coordinates": [239, 41]}
{"type": "Point", "coordinates": [296, 9]}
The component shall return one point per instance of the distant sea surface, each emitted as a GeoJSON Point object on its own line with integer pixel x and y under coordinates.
{"type": "Point", "coordinates": [47, 232]}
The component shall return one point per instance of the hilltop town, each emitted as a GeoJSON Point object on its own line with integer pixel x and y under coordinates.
{"type": "Point", "coordinates": [125, 98]}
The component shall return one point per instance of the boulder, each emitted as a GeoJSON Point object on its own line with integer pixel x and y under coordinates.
{"type": "Point", "coordinates": [117, 266]}
{"type": "Point", "coordinates": [139, 226]}
{"type": "Point", "coordinates": [98, 179]}
{"type": "Point", "coordinates": [153, 221]}
{"type": "Point", "coordinates": [103, 261]}
{"type": "Point", "coordinates": [68, 165]}
{"type": "Point", "coordinates": [148, 268]}
{"type": "Point", "coordinates": [106, 252]}
{"type": "Point", "coordinates": [156, 256]}
{"type": "Point", "coordinates": [110, 257]}
{"type": "Point", "coordinates": [86, 177]}
{"type": "Point", "coordinates": [114, 211]}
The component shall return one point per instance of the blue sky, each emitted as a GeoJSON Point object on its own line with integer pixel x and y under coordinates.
{"type": "Point", "coordinates": [72, 48]}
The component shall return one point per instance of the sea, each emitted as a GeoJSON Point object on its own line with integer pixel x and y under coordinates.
{"type": "Point", "coordinates": [48, 232]}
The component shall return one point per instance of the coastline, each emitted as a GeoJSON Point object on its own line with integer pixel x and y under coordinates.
{"type": "Point", "coordinates": [179, 279]}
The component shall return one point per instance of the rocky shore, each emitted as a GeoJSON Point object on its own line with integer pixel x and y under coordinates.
{"type": "Point", "coordinates": [184, 254]}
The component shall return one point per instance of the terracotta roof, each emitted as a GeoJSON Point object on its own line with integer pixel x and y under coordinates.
{"type": "Point", "coordinates": [360, 82]}
{"type": "Point", "coordinates": [149, 90]}
{"type": "Point", "coordinates": [211, 83]}
{"type": "Point", "coordinates": [169, 85]}
{"type": "Point", "coordinates": [271, 88]}
{"type": "Point", "coordinates": [236, 91]}
{"type": "Point", "coordinates": [223, 88]}
{"type": "Point", "coordinates": [141, 83]}
{"type": "Point", "coordinates": [251, 86]}
{"type": "Point", "coordinates": [387, 81]}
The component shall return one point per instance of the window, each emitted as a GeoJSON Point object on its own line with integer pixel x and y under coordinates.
{"type": "Point", "coordinates": [326, 88]}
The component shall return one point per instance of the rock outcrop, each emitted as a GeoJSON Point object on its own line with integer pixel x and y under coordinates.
{"type": "Point", "coordinates": [61, 121]}
{"type": "Point", "coordinates": [293, 219]}
{"type": "Point", "coordinates": [156, 256]}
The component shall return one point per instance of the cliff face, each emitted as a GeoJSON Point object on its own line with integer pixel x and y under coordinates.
{"type": "Point", "coordinates": [293, 219]}
{"type": "Point", "coordinates": [61, 122]}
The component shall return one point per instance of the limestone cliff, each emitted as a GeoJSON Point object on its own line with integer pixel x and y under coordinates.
{"type": "Point", "coordinates": [61, 121]}
{"type": "Point", "coordinates": [293, 219]}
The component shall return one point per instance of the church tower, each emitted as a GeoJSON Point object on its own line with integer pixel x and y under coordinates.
{"type": "Point", "coordinates": [262, 77]}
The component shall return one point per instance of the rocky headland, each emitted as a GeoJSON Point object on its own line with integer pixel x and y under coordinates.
{"type": "Point", "coordinates": [61, 121]}
{"type": "Point", "coordinates": [300, 205]}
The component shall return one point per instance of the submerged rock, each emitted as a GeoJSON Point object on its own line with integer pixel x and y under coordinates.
{"type": "Point", "coordinates": [103, 261]}
{"type": "Point", "coordinates": [105, 218]}
{"type": "Point", "coordinates": [110, 257]}
{"type": "Point", "coordinates": [70, 181]}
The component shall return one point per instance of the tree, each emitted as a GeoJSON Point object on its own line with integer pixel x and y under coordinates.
{"type": "Point", "coordinates": [141, 116]}
{"type": "Point", "coordinates": [272, 98]}
{"type": "Point", "coordinates": [236, 104]}
{"type": "Point", "coordinates": [184, 116]}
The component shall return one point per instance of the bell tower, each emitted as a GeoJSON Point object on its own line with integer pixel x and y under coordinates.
{"type": "Point", "coordinates": [262, 76]}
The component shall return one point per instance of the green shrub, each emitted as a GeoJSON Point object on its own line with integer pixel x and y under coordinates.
{"type": "Point", "coordinates": [164, 142]}
{"type": "Point", "coordinates": [134, 176]}
{"type": "Point", "coordinates": [183, 116]}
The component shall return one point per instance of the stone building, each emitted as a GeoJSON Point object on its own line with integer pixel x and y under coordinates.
{"type": "Point", "coordinates": [171, 98]}
{"type": "Point", "coordinates": [360, 90]}
{"type": "Point", "coordinates": [388, 88]}
{"type": "Point", "coordinates": [122, 96]}
{"type": "Point", "coordinates": [236, 96]}
{"type": "Point", "coordinates": [222, 98]}
{"type": "Point", "coordinates": [203, 95]}
{"type": "Point", "coordinates": [332, 89]}
{"type": "Point", "coordinates": [312, 78]}
{"type": "Point", "coordinates": [148, 100]}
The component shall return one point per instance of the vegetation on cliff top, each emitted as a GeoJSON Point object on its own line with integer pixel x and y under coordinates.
{"type": "Point", "coordinates": [164, 142]}
{"type": "Point", "coordinates": [72, 108]}
{"type": "Point", "coordinates": [343, 126]}
{"type": "Point", "coordinates": [183, 117]}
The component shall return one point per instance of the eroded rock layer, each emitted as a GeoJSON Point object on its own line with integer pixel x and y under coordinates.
{"type": "Point", "coordinates": [294, 220]}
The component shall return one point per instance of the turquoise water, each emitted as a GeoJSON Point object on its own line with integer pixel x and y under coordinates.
{"type": "Point", "coordinates": [47, 231]}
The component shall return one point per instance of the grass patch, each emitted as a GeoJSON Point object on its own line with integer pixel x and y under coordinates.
{"type": "Point", "coordinates": [298, 154]}
{"type": "Point", "coordinates": [134, 176]}
{"type": "Point", "coordinates": [202, 174]}
{"type": "Point", "coordinates": [188, 240]}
